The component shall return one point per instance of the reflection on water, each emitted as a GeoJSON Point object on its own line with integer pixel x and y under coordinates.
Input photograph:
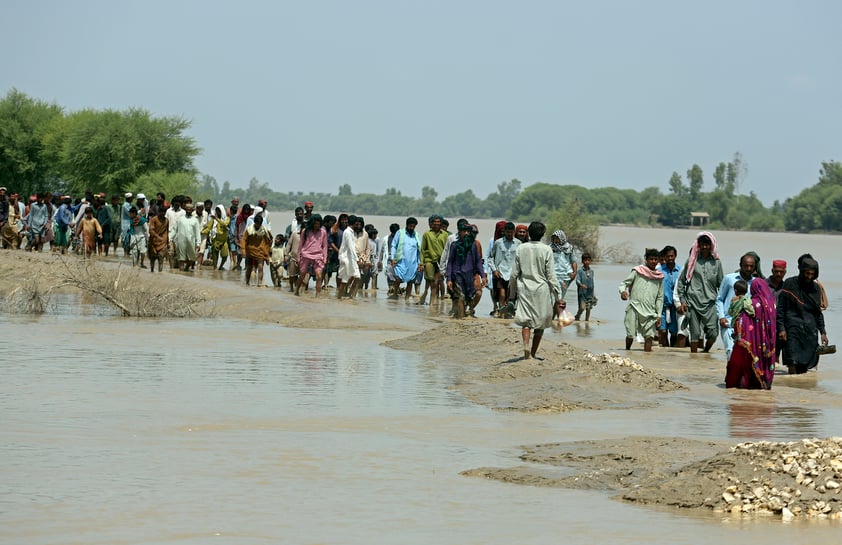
{"type": "Point", "coordinates": [769, 422]}
{"type": "Point", "coordinates": [76, 304]}
{"type": "Point", "coordinates": [805, 381]}
{"type": "Point", "coordinates": [731, 414]}
{"type": "Point", "coordinates": [581, 330]}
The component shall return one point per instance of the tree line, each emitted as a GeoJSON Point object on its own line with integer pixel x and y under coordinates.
{"type": "Point", "coordinates": [44, 147]}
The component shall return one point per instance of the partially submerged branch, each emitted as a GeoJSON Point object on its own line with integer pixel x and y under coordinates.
{"type": "Point", "coordinates": [125, 291]}
{"type": "Point", "coordinates": [30, 298]}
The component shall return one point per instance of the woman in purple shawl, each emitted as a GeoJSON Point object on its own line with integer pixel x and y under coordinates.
{"type": "Point", "coordinates": [752, 363]}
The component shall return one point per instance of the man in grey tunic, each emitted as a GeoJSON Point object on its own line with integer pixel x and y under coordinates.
{"type": "Point", "coordinates": [36, 222]}
{"type": "Point", "coordinates": [538, 291]}
{"type": "Point", "coordinates": [697, 288]}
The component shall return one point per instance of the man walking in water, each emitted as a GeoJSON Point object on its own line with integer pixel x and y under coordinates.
{"type": "Point", "coordinates": [539, 293]}
{"type": "Point", "coordinates": [698, 286]}
{"type": "Point", "coordinates": [406, 257]}
{"type": "Point", "coordinates": [668, 330]}
{"type": "Point", "coordinates": [348, 277]}
{"type": "Point", "coordinates": [432, 246]}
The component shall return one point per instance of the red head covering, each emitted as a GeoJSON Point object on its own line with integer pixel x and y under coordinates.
{"type": "Point", "coordinates": [244, 214]}
{"type": "Point", "coordinates": [498, 229]}
{"type": "Point", "coordinates": [780, 263]}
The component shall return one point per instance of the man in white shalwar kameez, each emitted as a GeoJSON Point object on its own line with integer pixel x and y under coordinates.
{"type": "Point", "coordinates": [348, 276]}
{"type": "Point", "coordinates": [188, 236]}
{"type": "Point", "coordinates": [173, 214]}
{"type": "Point", "coordinates": [538, 291]}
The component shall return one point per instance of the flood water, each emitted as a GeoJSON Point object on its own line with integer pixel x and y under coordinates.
{"type": "Point", "coordinates": [124, 431]}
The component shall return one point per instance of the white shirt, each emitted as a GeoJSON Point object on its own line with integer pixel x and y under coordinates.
{"type": "Point", "coordinates": [172, 217]}
{"type": "Point", "coordinates": [446, 253]}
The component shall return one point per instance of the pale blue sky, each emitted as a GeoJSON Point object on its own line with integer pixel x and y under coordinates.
{"type": "Point", "coordinates": [455, 95]}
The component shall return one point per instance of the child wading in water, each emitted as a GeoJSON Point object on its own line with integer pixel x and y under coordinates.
{"type": "Point", "coordinates": [276, 261]}
{"type": "Point", "coordinates": [584, 282]}
{"type": "Point", "coordinates": [644, 290]}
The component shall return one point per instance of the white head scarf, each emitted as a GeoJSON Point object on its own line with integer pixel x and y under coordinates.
{"type": "Point", "coordinates": [250, 220]}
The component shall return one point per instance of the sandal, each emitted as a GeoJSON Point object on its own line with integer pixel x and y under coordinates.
{"type": "Point", "coordinates": [825, 349]}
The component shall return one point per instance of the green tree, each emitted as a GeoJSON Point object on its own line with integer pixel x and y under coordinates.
{"type": "Point", "coordinates": [208, 188]}
{"type": "Point", "coordinates": [367, 201]}
{"type": "Point", "coordinates": [536, 201]}
{"type": "Point", "coordinates": [429, 193]}
{"type": "Point", "coordinates": [649, 198]}
{"type": "Point", "coordinates": [728, 176]}
{"type": "Point", "coordinates": [256, 190]}
{"type": "Point", "coordinates": [718, 204]}
{"type": "Point", "coordinates": [461, 204]}
{"type": "Point", "coordinates": [345, 190]}
{"type": "Point", "coordinates": [171, 184]}
{"type": "Point", "coordinates": [673, 210]}
{"type": "Point", "coordinates": [110, 150]}
{"type": "Point", "coordinates": [696, 179]}
{"type": "Point", "coordinates": [396, 204]}
{"type": "Point", "coordinates": [26, 125]}
{"type": "Point", "coordinates": [427, 204]}
{"type": "Point", "coordinates": [752, 215]}
{"type": "Point", "coordinates": [830, 174]}
{"type": "Point", "coordinates": [818, 207]}
{"type": "Point", "coordinates": [650, 194]}
{"type": "Point", "coordinates": [677, 186]}
{"type": "Point", "coordinates": [497, 204]}
{"type": "Point", "coordinates": [347, 203]}
{"type": "Point", "coordinates": [581, 228]}
{"type": "Point", "coordinates": [719, 175]}
{"type": "Point", "coordinates": [614, 205]}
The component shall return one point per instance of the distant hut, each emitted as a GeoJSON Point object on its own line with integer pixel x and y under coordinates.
{"type": "Point", "coordinates": [699, 218]}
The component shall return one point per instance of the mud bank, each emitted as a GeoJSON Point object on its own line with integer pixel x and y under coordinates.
{"type": "Point", "coordinates": [562, 378]}
{"type": "Point", "coordinates": [785, 479]}
{"type": "Point", "coordinates": [223, 294]}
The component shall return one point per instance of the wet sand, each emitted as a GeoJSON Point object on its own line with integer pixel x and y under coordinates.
{"type": "Point", "coordinates": [561, 378]}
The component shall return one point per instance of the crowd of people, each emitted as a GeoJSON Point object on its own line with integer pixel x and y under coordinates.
{"type": "Point", "coordinates": [182, 233]}
{"type": "Point", "coordinates": [759, 319]}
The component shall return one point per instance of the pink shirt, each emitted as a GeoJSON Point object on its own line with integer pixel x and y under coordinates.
{"type": "Point", "coordinates": [313, 244]}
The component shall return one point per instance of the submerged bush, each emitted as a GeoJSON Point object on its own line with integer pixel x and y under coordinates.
{"type": "Point", "coordinates": [123, 289]}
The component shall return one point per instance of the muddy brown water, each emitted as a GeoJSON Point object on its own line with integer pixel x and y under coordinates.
{"type": "Point", "coordinates": [124, 431]}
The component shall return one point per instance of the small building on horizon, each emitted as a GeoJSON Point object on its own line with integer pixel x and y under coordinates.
{"type": "Point", "coordinates": [699, 219]}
